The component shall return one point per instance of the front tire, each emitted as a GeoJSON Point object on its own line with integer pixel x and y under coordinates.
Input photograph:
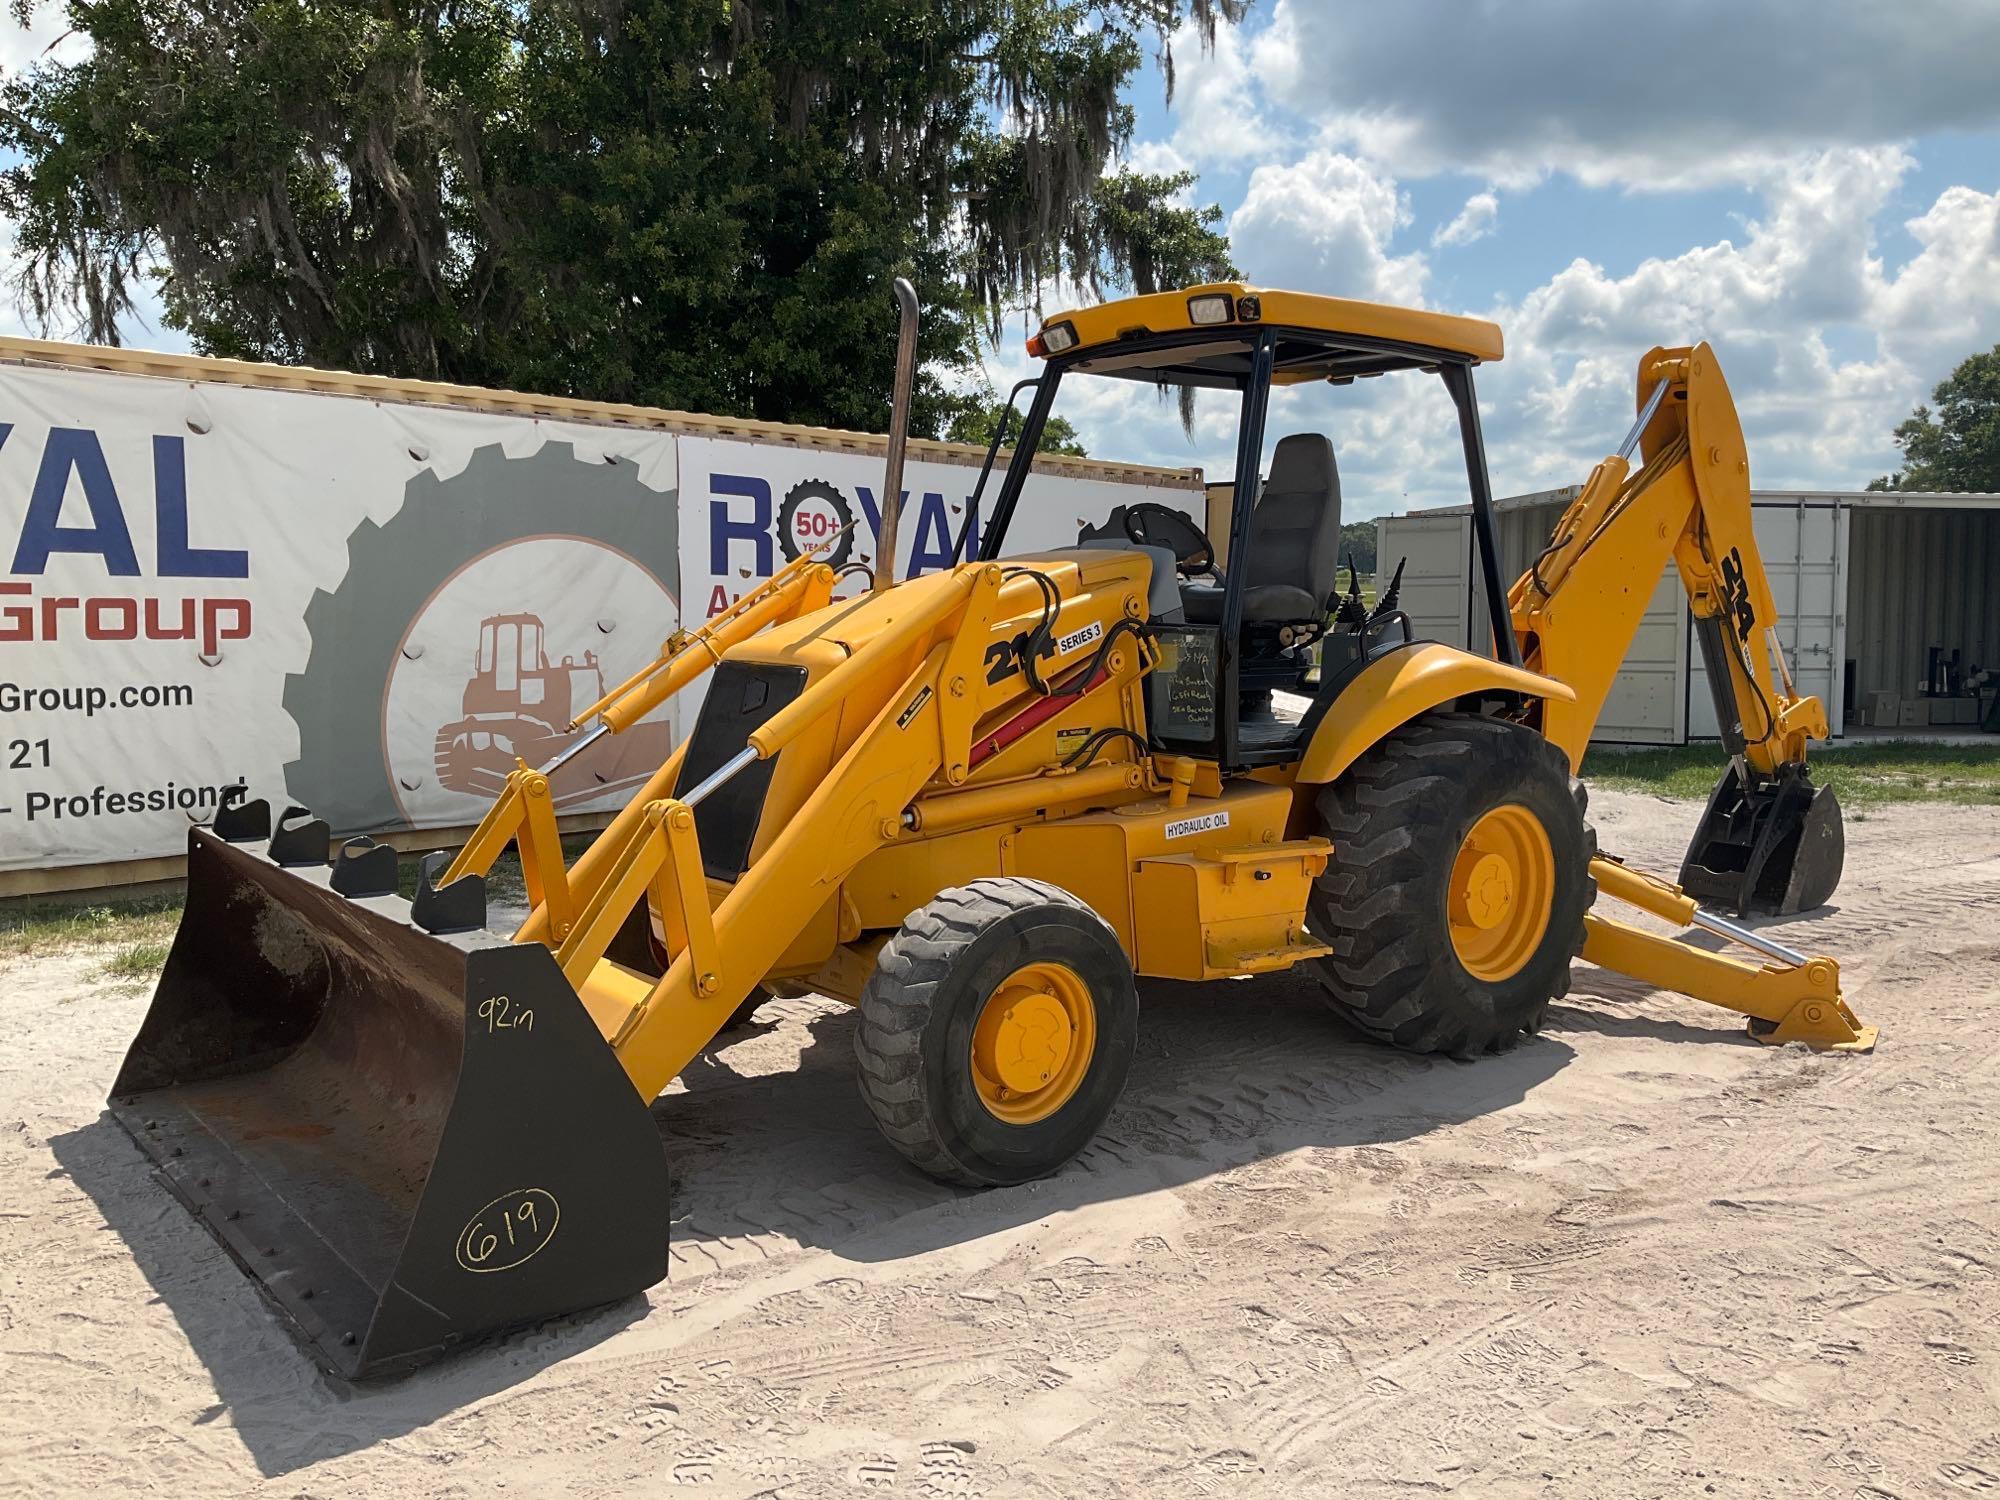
{"type": "Point", "coordinates": [1454, 900]}
{"type": "Point", "coordinates": [996, 1032]}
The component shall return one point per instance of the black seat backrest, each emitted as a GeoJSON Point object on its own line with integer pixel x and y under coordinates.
{"type": "Point", "coordinates": [1295, 527]}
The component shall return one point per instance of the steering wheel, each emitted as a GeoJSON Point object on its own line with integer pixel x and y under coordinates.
{"type": "Point", "coordinates": [1151, 524]}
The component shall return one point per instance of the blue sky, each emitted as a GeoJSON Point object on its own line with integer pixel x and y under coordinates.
{"type": "Point", "coordinates": [1821, 202]}
{"type": "Point", "coordinates": [1812, 187]}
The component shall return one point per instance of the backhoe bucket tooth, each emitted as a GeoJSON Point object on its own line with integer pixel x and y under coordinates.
{"type": "Point", "coordinates": [406, 1140]}
{"type": "Point", "coordinates": [241, 821]}
{"type": "Point", "coordinates": [457, 907]}
{"type": "Point", "coordinates": [300, 839]}
{"type": "Point", "coordinates": [364, 868]}
{"type": "Point", "coordinates": [1776, 849]}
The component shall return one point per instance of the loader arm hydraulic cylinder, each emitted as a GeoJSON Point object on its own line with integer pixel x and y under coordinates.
{"type": "Point", "coordinates": [718, 955]}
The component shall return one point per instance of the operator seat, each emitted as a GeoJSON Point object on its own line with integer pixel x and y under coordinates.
{"type": "Point", "coordinates": [1294, 561]}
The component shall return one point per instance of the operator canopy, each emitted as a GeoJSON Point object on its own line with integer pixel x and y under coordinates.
{"type": "Point", "coordinates": [1166, 338]}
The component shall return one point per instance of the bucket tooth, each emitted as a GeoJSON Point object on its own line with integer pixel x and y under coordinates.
{"type": "Point", "coordinates": [406, 1141]}
{"type": "Point", "coordinates": [458, 907]}
{"type": "Point", "coordinates": [364, 868]}
{"type": "Point", "coordinates": [242, 821]}
{"type": "Point", "coordinates": [300, 839]}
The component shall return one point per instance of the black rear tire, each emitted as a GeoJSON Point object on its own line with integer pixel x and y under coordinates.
{"type": "Point", "coordinates": [1398, 818]}
{"type": "Point", "coordinates": [919, 1009]}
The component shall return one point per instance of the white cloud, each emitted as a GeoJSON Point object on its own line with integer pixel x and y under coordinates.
{"type": "Point", "coordinates": [1802, 278]}
{"type": "Point", "coordinates": [1945, 303]}
{"type": "Point", "coordinates": [1325, 223]}
{"type": "Point", "coordinates": [1807, 266]}
{"type": "Point", "coordinates": [1215, 105]}
{"type": "Point", "coordinates": [1638, 97]}
{"type": "Point", "coordinates": [1474, 221]}
{"type": "Point", "coordinates": [1155, 158]}
{"type": "Point", "coordinates": [48, 39]}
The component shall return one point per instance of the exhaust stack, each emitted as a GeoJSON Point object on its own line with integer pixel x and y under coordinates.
{"type": "Point", "coordinates": [899, 434]}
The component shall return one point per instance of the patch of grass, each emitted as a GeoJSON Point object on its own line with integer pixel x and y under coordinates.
{"type": "Point", "coordinates": [1862, 775]}
{"type": "Point", "coordinates": [48, 926]}
{"type": "Point", "coordinates": [143, 926]}
{"type": "Point", "coordinates": [141, 961]}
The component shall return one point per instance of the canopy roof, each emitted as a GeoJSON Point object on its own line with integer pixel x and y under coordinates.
{"type": "Point", "coordinates": [1156, 338]}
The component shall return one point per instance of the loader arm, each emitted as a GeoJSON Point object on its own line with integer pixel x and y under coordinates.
{"type": "Point", "coordinates": [656, 1029]}
{"type": "Point", "coordinates": [936, 706]}
{"type": "Point", "coordinates": [1769, 840]}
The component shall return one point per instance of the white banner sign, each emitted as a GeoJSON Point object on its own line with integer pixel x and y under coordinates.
{"type": "Point", "coordinates": [749, 508]}
{"type": "Point", "coordinates": [364, 608]}
{"type": "Point", "coordinates": [371, 609]}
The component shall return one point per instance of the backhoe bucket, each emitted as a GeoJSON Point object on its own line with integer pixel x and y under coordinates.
{"type": "Point", "coordinates": [1773, 849]}
{"type": "Point", "coordinates": [408, 1138]}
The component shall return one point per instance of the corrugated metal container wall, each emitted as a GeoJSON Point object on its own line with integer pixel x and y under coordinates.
{"type": "Point", "coordinates": [1524, 531]}
{"type": "Point", "coordinates": [1917, 579]}
{"type": "Point", "coordinates": [1440, 576]}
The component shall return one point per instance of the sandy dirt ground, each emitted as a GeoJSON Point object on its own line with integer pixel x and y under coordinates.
{"type": "Point", "coordinates": [1641, 1255]}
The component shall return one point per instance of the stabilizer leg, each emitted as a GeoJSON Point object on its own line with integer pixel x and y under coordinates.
{"type": "Point", "coordinates": [1791, 997]}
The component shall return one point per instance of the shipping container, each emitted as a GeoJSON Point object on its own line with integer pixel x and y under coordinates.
{"type": "Point", "coordinates": [1877, 594]}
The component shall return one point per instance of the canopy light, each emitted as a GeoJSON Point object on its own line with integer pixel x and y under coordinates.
{"type": "Point", "coordinates": [1059, 338]}
{"type": "Point", "coordinates": [1214, 307]}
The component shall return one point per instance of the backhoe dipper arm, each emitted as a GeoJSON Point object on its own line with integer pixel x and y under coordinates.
{"type": "Point", "coordinates": [1578, 606]}
{"type": "Point", "coordinates": [1769, 841]}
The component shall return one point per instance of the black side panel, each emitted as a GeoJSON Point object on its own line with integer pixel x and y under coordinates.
{"type": "Point", "coordinates": [741, 697]}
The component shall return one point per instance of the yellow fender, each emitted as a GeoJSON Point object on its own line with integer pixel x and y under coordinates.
{"type": "Point", "coordinates": [1394, 689]}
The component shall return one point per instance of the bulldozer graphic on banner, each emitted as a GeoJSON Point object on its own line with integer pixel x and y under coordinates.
{"type": "Point", "coordinates": [517, 706]}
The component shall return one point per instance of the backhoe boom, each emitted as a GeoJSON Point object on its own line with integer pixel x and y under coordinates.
{"type": "Point", "coordinates": [1769, 840]}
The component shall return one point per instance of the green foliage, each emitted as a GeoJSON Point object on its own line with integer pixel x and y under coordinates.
{"type": "Point", "coordinates": [1357, 540]}
{"type": "Point", "coordinates": [1958, 449]}
{"type": "Point", "coordinates": [28, 928]}
{"type": "Point", "coordinates": [976, 419]}
{"type": "Point", "coordinates": [141, 961]}
{"type": "Point", "coordinates": [1862, 775]}
{"type": "Point", "coordinates": [687, 205]}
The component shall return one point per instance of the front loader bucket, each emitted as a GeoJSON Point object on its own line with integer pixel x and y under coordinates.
{"type": "Point", "coordinates": [406, 1139]}
{"type": "Point", "coordinates": [1775, 848]}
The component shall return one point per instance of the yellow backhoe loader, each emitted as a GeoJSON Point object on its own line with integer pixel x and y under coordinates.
{"type": "Point", "coordinates": [978, 805]}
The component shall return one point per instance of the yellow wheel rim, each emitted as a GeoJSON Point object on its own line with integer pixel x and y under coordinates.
{"type": "Point", "coordinates": [1502, 889]}
{"type": "Point", "coordinates": [1033, 1043]}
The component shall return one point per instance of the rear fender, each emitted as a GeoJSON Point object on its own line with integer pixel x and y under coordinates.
{"type": "Point", "coordinates": [1396, 687]}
